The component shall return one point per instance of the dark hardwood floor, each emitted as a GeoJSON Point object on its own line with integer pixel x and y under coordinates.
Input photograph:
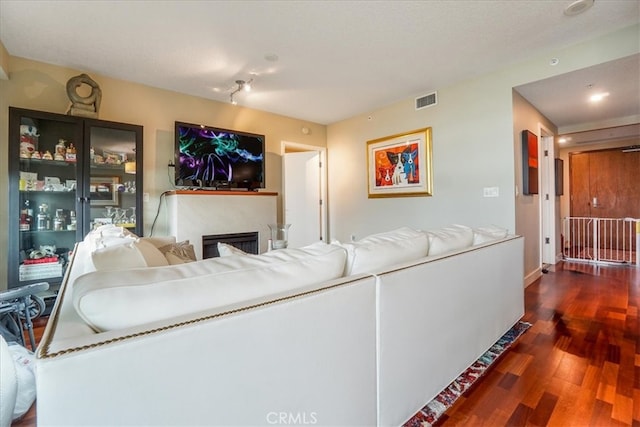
{"type": "Point", "coordinates": [578, 365]}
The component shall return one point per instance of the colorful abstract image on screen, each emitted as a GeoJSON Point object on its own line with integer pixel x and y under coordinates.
{"type": "Point", "coordinates": [213, 157]}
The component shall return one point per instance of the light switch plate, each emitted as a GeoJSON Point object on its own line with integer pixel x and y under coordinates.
{"type": "Point", "coordinates": [491, 191]}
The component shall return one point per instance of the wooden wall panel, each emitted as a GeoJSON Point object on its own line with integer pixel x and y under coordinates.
{"type": "Point", "coordinates": [608, 176]}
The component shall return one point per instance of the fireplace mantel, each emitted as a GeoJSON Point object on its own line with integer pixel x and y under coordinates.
{"type": "Point", "coordinates": [196, 213]}
{"type": "Point", "coordinates": [220, 193]}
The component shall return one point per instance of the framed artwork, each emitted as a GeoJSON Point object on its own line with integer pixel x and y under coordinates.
{"type": "Point", "coordinates": [559, 170]}
{"type": "Point", "coordinates": [529, 162]}
{"type": "Point", "coordinates": [103, 191]}
{"type": "Point", "coordinates": [400, 165]}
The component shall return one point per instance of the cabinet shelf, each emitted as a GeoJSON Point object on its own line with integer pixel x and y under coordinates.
{"type": "Point", "coordinates": [127, 225]}
{"type": "Point", "coordinates": [107, 166]}
{"type": "Point", "coordinates": [61, 163]}
{"type": "Point", "coordinates": [43, 192]}
{"type": "Point", "coordinates": [46, 231]}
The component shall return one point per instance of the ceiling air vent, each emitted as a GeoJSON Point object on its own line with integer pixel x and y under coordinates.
{"type": "Point", "coordinates": [426, 101]}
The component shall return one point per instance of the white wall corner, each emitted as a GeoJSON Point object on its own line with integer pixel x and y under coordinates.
{"type": "Point", "coordinates": [4, 63]}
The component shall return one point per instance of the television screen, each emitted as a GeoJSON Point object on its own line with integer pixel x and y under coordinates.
{"type": "Point", "coordinates": [220, 158]}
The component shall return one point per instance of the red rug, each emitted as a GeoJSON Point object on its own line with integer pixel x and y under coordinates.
{"type": "Point", "coordinates": [433, 410]}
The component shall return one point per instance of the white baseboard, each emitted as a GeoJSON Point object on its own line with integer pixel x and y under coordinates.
{"type": "Point", "coordinates": [532, 277]}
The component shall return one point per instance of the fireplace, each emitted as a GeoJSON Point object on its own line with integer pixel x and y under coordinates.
{"type": "Point", "coordinates": [194, 214]}
{"type": "Point", "coordinates": [247, 242]}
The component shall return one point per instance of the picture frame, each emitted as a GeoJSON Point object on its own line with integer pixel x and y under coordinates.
{"type": "Point", "coordinates": [103, 191]}
{"type": "Point", "coordinates": [559, 176]}
{"type": "Point", "coordinates": [529, 163]}
{"type": "Point", "coordinates": [400, 165]}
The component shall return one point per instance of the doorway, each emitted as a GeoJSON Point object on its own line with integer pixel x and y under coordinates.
{"type": "Point", "coordinates": [603, 183]}
{"type": "Point", "coordinates": [549, 215]}
{"type": "Point", "coordinates": [604, 205]}
{"type": "Point", "coordinates": [304, 193]}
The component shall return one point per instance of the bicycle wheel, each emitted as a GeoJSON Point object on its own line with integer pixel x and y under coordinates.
{"type": "Point", "coordinates": [36, 307]}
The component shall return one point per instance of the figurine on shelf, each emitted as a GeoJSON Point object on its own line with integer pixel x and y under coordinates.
{"type": "Point", "coordinates": [28, 140]}
{"type": "Point", "coordinates": [27, 145]}
{"type": "Point", "coordinates": [71, 153]}
{"type": "Point", "coordinates": [36, 155]}
{"type": "Point", "coordinates": [61, 150]}
{"type": "Point", "coordinates": [25, 224]}
{"type": "Point", "coordinates": [43, 220]}
{"type": "Point", "coordinates": [47, 155]}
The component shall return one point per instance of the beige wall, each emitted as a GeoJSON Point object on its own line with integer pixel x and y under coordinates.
{"type": "Point", "coordinates": [39, 86]}
{"type": "Point", "coordinates": [4, 62]}
{"type": "Point", "coordinates": [467, 157]}
{"type": "Point", "coordinates": [474, 146]}
{"type": "Point", "coordinates": [528, 219]}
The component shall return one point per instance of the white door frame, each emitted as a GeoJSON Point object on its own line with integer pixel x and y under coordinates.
{"type": "Point", "coordinates": [547, 197]}
{"type": "Point", "coordinates": [295, 146]}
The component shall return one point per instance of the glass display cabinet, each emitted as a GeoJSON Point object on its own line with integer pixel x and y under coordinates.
{"type": "Point", "coordinates": [67, 175]}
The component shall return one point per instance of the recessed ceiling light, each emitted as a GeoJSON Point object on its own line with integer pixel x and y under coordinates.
{"type": "Point", "coordinates": [578, 7]}
{"type": "Point", "coordinates": [564, 139]}
{"type": "Point", "coordinates": [596, 97]}
{"type": "Point", "coordinates": [554, 61]}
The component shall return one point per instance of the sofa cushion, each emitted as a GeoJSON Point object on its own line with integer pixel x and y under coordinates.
{"type": "Point", "coordinates": [128, 254]}
{"type": "Point", "coordinates": [384, 249]}
{"type": "Point", "coordinates": [488, 234]}
{"type": "Point", "coordinates": [450, 238]}
{"type": "Point", "coordinates": [109, 300]}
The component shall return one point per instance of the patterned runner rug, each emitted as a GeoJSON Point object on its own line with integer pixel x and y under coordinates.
{"type": "Point", "coordinates": [433, 410]}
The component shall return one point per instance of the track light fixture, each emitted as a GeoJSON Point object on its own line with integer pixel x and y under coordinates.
{"type": "Point", "coordinates": [240, 85]}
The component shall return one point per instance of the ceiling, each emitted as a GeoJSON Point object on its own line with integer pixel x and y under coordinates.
{"type": "Point", "coordinates": [564, 99]}
{"type": "Point", "coordinates": [319, 61]}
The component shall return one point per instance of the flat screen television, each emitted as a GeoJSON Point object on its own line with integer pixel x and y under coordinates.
{"type": "Point", "coordinates": [218, 158]}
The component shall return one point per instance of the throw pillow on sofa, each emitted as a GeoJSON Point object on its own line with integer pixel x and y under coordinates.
{"type": "Point", "coordinates": [111, 230]}
{"type": "Point", "coordinates": [450, 238]}
{"type": "Point", "coordinates": [108, 235]}
{"type": "Point", "coordinates": [130, 254]}
{"type": "Point", "coordinates": [225, 249]}
{"type": "Point", "coordinates": [178, 253]}
{"type": "Point", "coordinates": [108, 300]}
{"type": "Point", "coordinates": [488, 234]}
{"type": "Point", "coordinates": [160, 241]}
{"type": "Point", "coordinates": [384, 249]}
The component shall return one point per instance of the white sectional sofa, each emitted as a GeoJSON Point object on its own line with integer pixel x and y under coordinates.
{"type": "Point", "coordinates": [363, 333]}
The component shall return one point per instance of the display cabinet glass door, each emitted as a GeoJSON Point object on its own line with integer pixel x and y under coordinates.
{"type": "Point", "coordinates": [112, 181]}
{"type": "Point", "coordinates": [45, 185]}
